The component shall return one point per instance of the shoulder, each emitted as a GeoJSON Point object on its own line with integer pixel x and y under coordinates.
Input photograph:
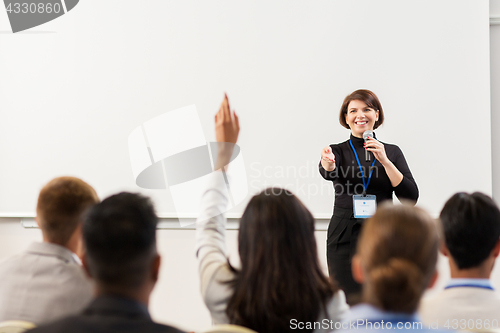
{"type": "Point", "coordinates": [84, 324]}
{"type": "Point", "coordinates": [33, 264]}
{"type": "Point", "coordinates": [453, 298]}
{"type": "Point", "coordinates": [391, 146]}
{"type": "Point", "coordinates": [393, 151]}
{"type": "Point", "coordinates": [64, 272]}
{"type": "Point", "coordinates": [340, 146]}
{"type": "Point", "coordinates": [337, 306]}
{"type": "Point", "coordinates": [163, 329]}
{"type": "Point", "coordinates": [12, 261]}
{"type": "Point", "coordinates": [68, 324]}
{"type": "Point", "coordinates": [429, 303]}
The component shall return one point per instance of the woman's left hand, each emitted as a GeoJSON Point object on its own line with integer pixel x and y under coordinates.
{"type": "Point", "coordinates": [378, 150]}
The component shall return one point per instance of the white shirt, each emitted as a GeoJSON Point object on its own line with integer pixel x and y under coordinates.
{"type": "Point", "coordinates": [463, 304]}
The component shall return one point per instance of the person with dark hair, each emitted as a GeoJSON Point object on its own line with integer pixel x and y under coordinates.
{"type": "Point", "coordinates": [355, 179]}
{"type": "Point", "coordinates": [280, 286]}
{"type": "Point", "coordinates": [47, 281]}
{"type": "Point", "coordinates": [470, 225]}
{"type": "Point", "coordinates": [120, 240]}
{"type": "Point", "coordinates": [395, 262]}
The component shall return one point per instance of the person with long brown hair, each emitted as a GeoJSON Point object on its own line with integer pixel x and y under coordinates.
{"type": "Point", "coordinates": [280, 286]}
{"type": "Point", "coordinates": [365, 170]}
{"type": "Point", "coordinates": [395, 262]}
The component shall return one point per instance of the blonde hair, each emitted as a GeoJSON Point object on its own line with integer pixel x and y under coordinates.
{"type": "Point", "coordinates": [398, 249]}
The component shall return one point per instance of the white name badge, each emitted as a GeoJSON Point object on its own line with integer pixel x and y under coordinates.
{"type": "Point", "coordinates": [364, 206]}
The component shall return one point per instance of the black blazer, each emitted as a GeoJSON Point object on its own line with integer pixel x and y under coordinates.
{"type": "Point", "coordinates": [108, 314]}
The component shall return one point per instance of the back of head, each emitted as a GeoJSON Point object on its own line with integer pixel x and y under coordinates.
{"type": "Point", "coordinates": [120, 238]}
{"type": "Point", "coordinates": [280, 277]}
{"type": "Point", "coordinates": [60, 207]}
{"type": "Point", "coordinates": [398, 252]}
{"type": "Point", "coordinates": [471, 228]}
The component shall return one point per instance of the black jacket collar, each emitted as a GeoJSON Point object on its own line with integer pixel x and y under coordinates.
{"type": "Point", "coordinates": [111, 305]}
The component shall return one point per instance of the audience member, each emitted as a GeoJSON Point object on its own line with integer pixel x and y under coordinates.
{"type": "Point", "coordinates": [120, 240]}
{"type": "Point", "coordinates": [280, 286]}
{"type": "Point", "coordinates": [395, 262]}
{"type": "Point", "coordinates": [47, 282]}
{"type": "Point", "coordinates": [470, 226]}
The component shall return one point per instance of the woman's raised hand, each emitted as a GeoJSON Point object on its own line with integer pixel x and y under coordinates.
{"type": "Point", "coordinates": [227, 126]}
{"type": "Point", "coordinates": [327, 159]}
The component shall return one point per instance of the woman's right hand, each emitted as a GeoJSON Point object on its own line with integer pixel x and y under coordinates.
{"type": "Point", "coordinates": [328, 159]}
{"type": "Point", "coordinates": [227, 128]}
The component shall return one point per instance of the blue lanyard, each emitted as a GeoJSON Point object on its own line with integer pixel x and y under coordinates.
{"type": "Point", "coordinates": [469, 285]}
{"type": "Point", "coordinates": [365, 185]}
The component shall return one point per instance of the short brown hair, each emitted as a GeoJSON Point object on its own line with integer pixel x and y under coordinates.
{"type": "Point", "coordinates": [367, 97]}
{"type": "Point", "coordinates": [61, 204]}
{"type": "Point", "coordinates": [398, 249]}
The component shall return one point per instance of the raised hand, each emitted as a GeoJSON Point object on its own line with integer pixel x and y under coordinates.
{"type": "Point", "coordinates": [227, 128]}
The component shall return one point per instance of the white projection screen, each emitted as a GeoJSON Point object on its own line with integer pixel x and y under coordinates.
{"type": "Point", "coordinates": [74, 89]}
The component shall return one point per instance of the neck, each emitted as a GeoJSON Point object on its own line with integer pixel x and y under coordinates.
{"type": "Point", "coordinates": [74, 245]}
{"type": "Point", "coordinates": [482, 271]}
{"type": "Point", "coordinates": [357, 135]}
{"type": "Point", "coordinates": [141, 295]}
{"type": "Point", "coordinates": [372, 299]}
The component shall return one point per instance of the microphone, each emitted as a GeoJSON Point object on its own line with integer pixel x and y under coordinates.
{"type": "Point", "coordinates": [366, 134]}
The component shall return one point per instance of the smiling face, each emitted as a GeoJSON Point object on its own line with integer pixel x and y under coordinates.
{"type": "Point", "coordinates": [360, 117]}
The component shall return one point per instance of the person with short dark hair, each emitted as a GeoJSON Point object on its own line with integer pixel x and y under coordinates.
{"type": "Point", "coordinates": [47, 281]}
{"type": "Point", "coordinates": [121, 257]}
{"type": "Point", "coordinates": [395, 262]}
{"type": "Point", "coordinates": [470, 226]}
{"type": "Point", "coordinates": [353, 176]}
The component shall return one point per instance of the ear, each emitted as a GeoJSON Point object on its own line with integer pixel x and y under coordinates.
{"type": "Point", "coordinates": [357, 269]}
{"type": "Point", "coordinates": [44, 237]}
{"type": "Point", "coordinates": [377, 112]}
{"type": "Point", "coordinates": [86, 266]}
{"type": "Point", "coordinates": [155, 267]}
{"type": "Point", "coordinates": [80, 247]}
{"type": "Point", "coordinates": [496, 249]}
{"type": "Point", "coordinates": [433, 279]}
{"type": "Point", "coordinates": [443, 249]}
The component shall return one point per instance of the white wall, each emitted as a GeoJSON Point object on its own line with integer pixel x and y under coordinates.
{"type": "Point", "coordinates": [495, 110]}
{"type": "Point", "coordinates": [495, 136]}
{"type": "Point", "coordinates": [495, 98]}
